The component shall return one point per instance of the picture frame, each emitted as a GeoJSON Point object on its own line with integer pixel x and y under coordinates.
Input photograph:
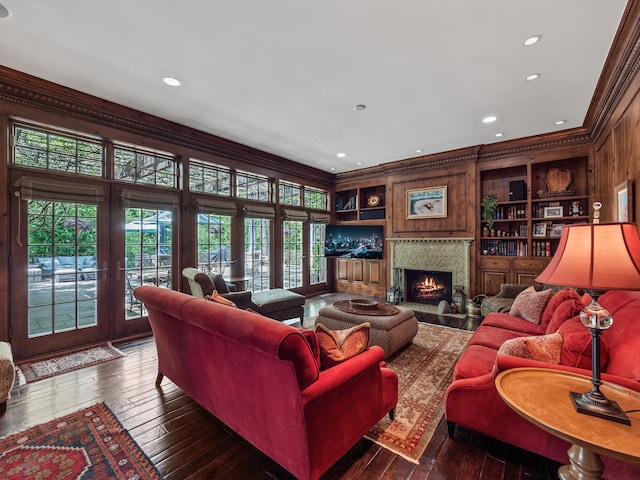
{"type": "Point", "coordinates": [540, 229]}
{"type": "Point", "coordinates": [556, 230]}
{"type": "Point", "coordinates": [427, 202]}
{"type": "Point", "coordinates": [623, 194]}
{"type": "Point", "coordinates": [553, 212]}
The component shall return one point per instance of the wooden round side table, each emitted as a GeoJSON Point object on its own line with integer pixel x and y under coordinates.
{"type": "Point", "coordinates": [541, 396]}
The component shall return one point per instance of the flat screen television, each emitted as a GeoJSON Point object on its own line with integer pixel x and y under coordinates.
{"type": "Point", "coordinates": [353, 241]}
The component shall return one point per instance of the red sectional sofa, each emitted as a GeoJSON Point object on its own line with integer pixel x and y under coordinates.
{"type": "Point", "coordinates": [260, 377]}
{"type": "Point", "coordinates": [472, 400]}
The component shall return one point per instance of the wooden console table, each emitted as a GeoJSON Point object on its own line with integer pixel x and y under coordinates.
{"type": "Point", "coordinates": [541, 396]}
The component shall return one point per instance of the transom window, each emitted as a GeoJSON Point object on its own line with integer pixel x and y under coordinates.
{"type": "Point", "coordinates": [289, 193]}
{"type": "Point", "coordinates": [209, 179]}
{"type": "Point", "coordinates": [252, 186]}
{"type": "Point", "coordinates": [315, 198]}
{"type": "Point", "coordinates": [50, 150]}
{"type": "Point", "coordinates": [130, 165]}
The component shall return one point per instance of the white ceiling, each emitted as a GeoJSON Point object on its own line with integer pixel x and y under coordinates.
{"type": "Point", "coordinates": [283, 76]}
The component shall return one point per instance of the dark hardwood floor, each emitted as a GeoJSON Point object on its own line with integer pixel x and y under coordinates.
{"type": "Point", "coordinates": [186, 442]}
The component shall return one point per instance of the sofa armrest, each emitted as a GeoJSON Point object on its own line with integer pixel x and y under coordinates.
{"type": "Point", "coordinates": [242, 300]}
{"type": "Point", "coordinates": [344, 404]}
{"type": "Point", "coordinates": [337, 376]}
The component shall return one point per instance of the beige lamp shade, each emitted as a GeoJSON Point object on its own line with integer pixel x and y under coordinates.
{"type": "Point", "coordinates": [600, 257]}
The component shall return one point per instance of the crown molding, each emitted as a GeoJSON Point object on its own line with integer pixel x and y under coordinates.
{"type": "Point", "coordinates": [620, 69]}
{"type": "Point", "coordinates": [29, 91]}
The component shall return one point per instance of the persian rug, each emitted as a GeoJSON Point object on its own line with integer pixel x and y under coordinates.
{"type": "Point", "coordinates": [424, 370]}
{"type": "Point", "coordinates": [30, 372]}
{"type": "Point", "coordinates": [88, 444]}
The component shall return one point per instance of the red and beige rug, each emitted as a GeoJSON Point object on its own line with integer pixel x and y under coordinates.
{"type": "Point", "coordinates": [424, 372]}
{"type": "Point", "coordinates": [30, 372]}
{"type": "Point", "coordinates": [88, 444]}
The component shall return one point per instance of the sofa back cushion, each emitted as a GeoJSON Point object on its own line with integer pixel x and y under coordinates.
{"type": "Point", "coordinates": [312, 339]}
{"type": "Point", "coordinates": [623, 337]}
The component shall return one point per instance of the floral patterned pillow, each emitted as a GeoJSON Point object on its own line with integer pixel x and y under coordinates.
{"type": "Point", "coordinates": [530, 304]}
{"type": "Point", "coordinates": [543, 348]}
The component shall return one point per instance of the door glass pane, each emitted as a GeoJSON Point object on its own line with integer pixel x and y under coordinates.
{"type": "Point", "coordinates": [148, 250]}
{"type": "Point", "coordinates": [257, 240]}
{"type": "Point", "coordinates": [318, 262]}
{"type": "Point", "coordinates": [292, 253]}
{"type": "Point", "coordinates": [62, 269]}
{"type": "Point", "coordinates": [214, 240]}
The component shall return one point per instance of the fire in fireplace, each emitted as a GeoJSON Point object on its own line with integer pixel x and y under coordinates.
{"type": "Point", "coordinates": [428, 286]}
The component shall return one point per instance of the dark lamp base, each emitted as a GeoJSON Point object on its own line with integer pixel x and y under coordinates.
{"type": "Point", "coordinates": [598, 406]}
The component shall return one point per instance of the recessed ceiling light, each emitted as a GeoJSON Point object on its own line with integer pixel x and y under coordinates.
{"type": "Point", "coordinates": [489, 119]}
{"type": "Point", "coordinates": [4, 12]}
{"type": "Point", "coordinates": [171, 81]}
{"type": "Point", "coordinates": [418, 150]}
{"type": "Point", "coordinates": [333, 168]}
{"type": "Point", "coordinates": [341, 155]}
{"type": "Point", "coordinates": [532, 40]}
{"type": "Point", "coordinates": [533, 76]}
{"type": "Point", "coordinates": [359, 107]}
{"type": "Point", "coordinates": [499, 134]}
{"type": "Point", "coordinates": [560, 122]}
{"type": "Point", "coordinates": [358, 163]}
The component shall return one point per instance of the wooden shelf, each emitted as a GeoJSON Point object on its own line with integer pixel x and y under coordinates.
{"type": "Point", "coordinates": [527, 254]}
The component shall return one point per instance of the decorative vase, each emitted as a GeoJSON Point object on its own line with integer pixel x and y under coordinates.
{"type": "Point", "coordinates": [459, 298]}
{"type": "Point", "coordinates": [485, 231]}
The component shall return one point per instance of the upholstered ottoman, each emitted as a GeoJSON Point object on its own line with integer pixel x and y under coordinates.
{"type": "Point", "coordinates": [7, 374]}
{"type": "Point", "coordinates": [389, 331]}
{"type": "Point", "coordinates": [279, 304]}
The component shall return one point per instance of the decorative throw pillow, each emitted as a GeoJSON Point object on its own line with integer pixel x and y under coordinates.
{"type": "Point", "coordinates": [555, 300]}
{"type": "Point", "coordinates": [216, 297]}
{"type": "Point", "coordinates": [577, 344]}
{"type": "Point", "coordinates": [543, 348]}
{"type": "Point", "coordinates": [336, 346]}
{"type": "Point", "coordinates": [530, 304]}
{"type": "Point", "coordinates": [563, 312]}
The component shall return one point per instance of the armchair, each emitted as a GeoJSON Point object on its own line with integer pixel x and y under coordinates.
{"type": "Point", "coordinates": [202, 284]}
{"type": "Point", "coordinates": [277, 303]}
{"type": "Point", "coordinates": [502, 301]}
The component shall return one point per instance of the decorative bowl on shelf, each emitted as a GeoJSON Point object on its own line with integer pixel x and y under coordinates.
{"type": "Point", "coordinates": [363, 303]}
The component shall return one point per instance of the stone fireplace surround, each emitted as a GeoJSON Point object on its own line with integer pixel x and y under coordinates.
{"type": "Point", "coordinates": [439, 254]}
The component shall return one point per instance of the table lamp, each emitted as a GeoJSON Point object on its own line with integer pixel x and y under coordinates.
{"type": "Point", "coordinates": [596, 257]}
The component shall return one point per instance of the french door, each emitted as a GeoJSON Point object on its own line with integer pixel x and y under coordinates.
{"type": "Point", "coordinates": [59, 274]}
{"type": "Point", "coordinates": [142, 251]}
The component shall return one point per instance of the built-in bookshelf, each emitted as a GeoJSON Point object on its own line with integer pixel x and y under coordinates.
{"type": "Point", "coordinates": [534, 202]}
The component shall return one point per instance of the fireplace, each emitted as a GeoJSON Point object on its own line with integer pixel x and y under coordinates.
{"type": "Point", "coordinates": [428, 286]}
{"type": "Point", "coordinates": [430, 254]}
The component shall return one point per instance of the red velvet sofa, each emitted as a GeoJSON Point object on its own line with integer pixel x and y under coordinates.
{"type": "Point", "coordinates": [472, 400]}
{"type": "Point", "coordinates": [260, 378]}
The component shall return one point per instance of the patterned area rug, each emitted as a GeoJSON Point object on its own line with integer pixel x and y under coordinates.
{"type": "Point", "coordinates": [88, 444]}
{"type": "Point", "coordinates": [30, 372]}
{"type": "Point", "coordinates": [424, 372]}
